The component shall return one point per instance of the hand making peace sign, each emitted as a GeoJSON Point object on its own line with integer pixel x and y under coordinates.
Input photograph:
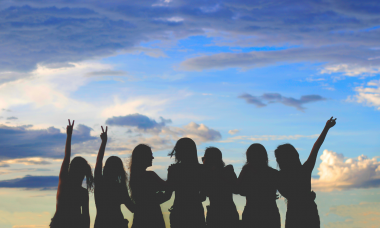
{"type": "Point", "coordinates": [103, 135]}
{"type": "Point", "coordinates": [69, 128]}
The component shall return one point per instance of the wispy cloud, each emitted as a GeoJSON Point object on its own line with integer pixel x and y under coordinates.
{"type": "Point", "coordinates": [268, 98]}
{"type": "Point", "coordinates": [369, 95]}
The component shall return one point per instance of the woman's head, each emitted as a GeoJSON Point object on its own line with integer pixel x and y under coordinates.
{"type": "Point", "coordinates": [114, 171]}
{"type": "Point", "coordinates": [257, 155]}
{"type": "Point", "coordinates": [185, 151]}
{"type": "Point", "coordinates": [78, 170]}
{"type": "Point", "coordinates": [213, 157]}
{"type": "Point", "coordinates": [142, 157]}
{"type": "Point", "coordinates": [287, 157]}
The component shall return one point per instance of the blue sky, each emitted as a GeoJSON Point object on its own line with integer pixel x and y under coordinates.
{"type": "Point", "coordinates": [225, 73]}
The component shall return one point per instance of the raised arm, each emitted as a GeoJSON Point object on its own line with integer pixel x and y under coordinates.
{"type": "Point", "coordinates": [66, 160]}
{"type": "Point", "coordinates": [99, 159]}
{"type": "Point", "coordinates": [310, 163]}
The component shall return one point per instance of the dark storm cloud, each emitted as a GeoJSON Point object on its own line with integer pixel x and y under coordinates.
{"type": "Point", "coordinates": [59, 31]}
{"type": "Point", "coordinates": [259, 101]}
{"type": "Point", "coordinates": [21, 142]}
{"type": "Point", "coordinates": [31, 182]}
{"type": "Point", "coordinates": [137, 120]}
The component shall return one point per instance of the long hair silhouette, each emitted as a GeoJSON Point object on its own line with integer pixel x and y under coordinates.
{"type": "Point", "coordinates": [185, 151]}
{"type": "Point", "coordinates": [72, 208]}
{"type": "Point", "coordinates": [295, 182]}
{"type": "Point", "coordinates": [186, 178]}
{"type": "Point", "coordinates": [110, 190]}
{"type": "Point", "coordinates": [220, 182]}
{"type": "Point", "coordinates": [258, 182]}
{"type": "Point", "coordinates": [80, 169]}
{"type": "Point", "coordinates": [146, 189]}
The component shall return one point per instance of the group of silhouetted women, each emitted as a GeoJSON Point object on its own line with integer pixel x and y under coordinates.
{"type": "Point", "coordinates": [143, 191]}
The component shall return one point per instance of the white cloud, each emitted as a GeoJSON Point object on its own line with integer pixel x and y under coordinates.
{"type": "Point", "coordinates": [337, 172]}
{"type": "Point", "coordinates": [369, 96]}
{"type": "Point", "coordinates": [233, 132]}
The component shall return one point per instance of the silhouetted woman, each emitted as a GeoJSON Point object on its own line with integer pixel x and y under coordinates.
{"type": "Point", "coordinates": [295, 183]}
{"type": "Point", "coordinates": [185, 177]}
{"type": "Point", "coordinates": [221, 183]}
{"type": "Point", "coordinates": [110, 190]}
{"type": "Point", "coordinates": [258, 182]}
{"type": "Point", "coordinates": [72, 199]}
{"type": "Point", "coordinates": [146, 187]}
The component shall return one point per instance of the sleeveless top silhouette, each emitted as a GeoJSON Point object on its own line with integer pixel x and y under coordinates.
{"type": "Point", "coordinates": [108, 199]}
{"type": "Point", "coordinates": [187, 180]}
{"type": "Point", "coordinates": [302, 211]}
{"type": "Point", "coordinates": [220, 187]}
{"type": "Point", "coordinates": [148, 198]}
{"type": "Point", "coordinates": [69, 203]}
{"type": "Point", "coordinates": [259, 185]}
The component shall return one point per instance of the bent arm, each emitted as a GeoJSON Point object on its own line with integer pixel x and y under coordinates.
{"type": "Point", "coordinates": [310, 163]}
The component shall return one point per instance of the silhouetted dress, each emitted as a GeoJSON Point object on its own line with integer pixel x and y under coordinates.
{"type": "Point", "coordinates": [259, 185]}
{"type": "Point", "coordinates": [108, 198]}
{"type": "Point", "coordinates": [148, 212]}
{"type": "Point", "coordinates": [220, 187]}
{"type": "Point", "coordinates": [302, 211]}
{"type": "Point", "coordinates": [69, 212]}
{"type": "Point", "coordinates": [187, 181]}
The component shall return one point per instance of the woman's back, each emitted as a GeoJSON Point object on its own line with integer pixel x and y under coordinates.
{"type": "Point", "coordinates": [259, 185]}
{"type": "Point", "coordinates": [108, 199]}
{"type": "Point", "coordinates": [221, 184]}
{"type": "Point", "coordinates": [69, 203]}
{"type": "Point", "coordinates": [187, 181]}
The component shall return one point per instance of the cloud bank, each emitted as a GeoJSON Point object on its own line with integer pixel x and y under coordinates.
{"type": "Point", "coordinates": [137, 120]}
{"type": "Point", "coordinates": [21, 142]}
{"type": "Point", "coordinates": [30, 182]}
{"type": "Point", "coordinates": [339, 173]}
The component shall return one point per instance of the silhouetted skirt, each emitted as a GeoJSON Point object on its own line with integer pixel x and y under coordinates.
{"type": "Point", "coordinates": [103, 222]}
{"type": "Point", "coordinates": [261, 216]}
{"type": "Point", "coordinates": [149, 216]}
{"type": "Point", "coordinates": [222, 217]}
{"type": "Point", "coordinates": [302, 214]}
{"type": "Point", "coordinates": [69, 222]}
{"type": "Point", "coordinates": [189, 216]}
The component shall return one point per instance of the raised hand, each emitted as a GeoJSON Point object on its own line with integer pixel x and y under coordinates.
{"type": "Point", "coordinates": [330, 123]}
{"type": "Point", "coordinates": [103, 135]}
{"type": "Point", "coordinates": [69, 128]}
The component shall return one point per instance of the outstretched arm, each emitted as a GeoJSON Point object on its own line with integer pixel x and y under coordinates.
{"type": "Point", "coordinates": [66, 160]}
{"type": "Point", "coordinates": [99, 159]}
{"type": "Point", "coordinates": [310, 163]}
